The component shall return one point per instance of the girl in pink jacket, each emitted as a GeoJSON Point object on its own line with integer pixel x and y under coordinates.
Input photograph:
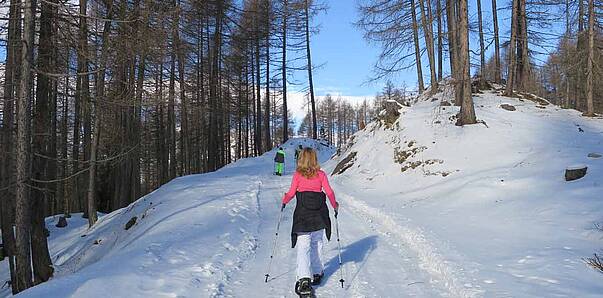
{"type": "Point", "coordinates": [310, 219]}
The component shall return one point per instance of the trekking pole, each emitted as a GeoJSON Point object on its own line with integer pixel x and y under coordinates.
{"type": "Point", "coordinates": [339, 249]}
{"type": "Point", "coordinates": [278, 225]}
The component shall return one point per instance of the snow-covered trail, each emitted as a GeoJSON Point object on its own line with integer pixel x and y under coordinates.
{"type": "Point", "coordinates": [211, 236]}
{"type": "Point", "coordinates": [373, 266]}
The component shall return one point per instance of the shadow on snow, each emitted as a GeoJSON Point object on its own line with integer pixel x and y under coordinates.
{"type": "Point", "coordinates": [357, 253]}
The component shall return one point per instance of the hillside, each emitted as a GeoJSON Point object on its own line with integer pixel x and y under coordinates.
{"type": "Point", "coordinates": [485, 207]}
{"type": "Point", "coordinates": [429, 209]}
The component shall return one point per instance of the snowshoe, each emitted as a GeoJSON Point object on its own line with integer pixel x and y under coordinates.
{"type": "Point", "coordinates": [317, 278]}
{"type": "Point", "coordinates": [303, 288]}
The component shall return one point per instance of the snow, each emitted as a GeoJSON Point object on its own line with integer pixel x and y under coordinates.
{"type": "Point", "coordinates": [429, 209]}
{"type": "Point", "coordinates": [491, 214]}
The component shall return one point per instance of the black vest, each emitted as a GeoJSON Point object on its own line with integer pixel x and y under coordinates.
{"type": "Point", "coordinates": [311, 214]}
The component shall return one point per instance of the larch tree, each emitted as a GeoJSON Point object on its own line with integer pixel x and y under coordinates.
{"type": "Point", "coordinates": [467, 113]}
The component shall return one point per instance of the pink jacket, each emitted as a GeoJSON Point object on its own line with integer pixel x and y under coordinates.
{"type": "Point", "coordinates": [316, 184]}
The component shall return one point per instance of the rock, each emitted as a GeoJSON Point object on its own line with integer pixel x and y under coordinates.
{"type": "Point", "coordinates": [391, 113]}
{"type": "Point", "coordinates": [131, 222]}
{"type": "Point", "coordinates": [507, 107]}
{"type": "Point", "coordinates": [62, 222]}
{"type": "Point", "coordinates": [478, 84]}
{"type": "Point", "coordinates": [594, 155]}
{"type": "Point", "coordinates": [575, 172]}
{"type": "Point", "coordinates": [345, 164]}
{"type": "Point", "coordinates": [46, 232]}
{"type": "Point", "coordinates": [445, 103]}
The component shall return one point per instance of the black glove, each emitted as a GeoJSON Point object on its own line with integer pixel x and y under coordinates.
{"type": "Point", "coordinates": [336, 210]}
{"type": "Point", "coordinates": [283, 207]}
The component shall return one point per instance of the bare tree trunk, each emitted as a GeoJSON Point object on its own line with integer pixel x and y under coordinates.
{"type": "Point", "coordinates": [284, 72]}
{"type": "Point", "coordinates": [497, 69]}
{"type": "Point", "coordinates": [42, 265]}
{"type": "Point", "coordinates": [590, 110]}
{"type": "Point", "coordinates": [184, 131]}
{"type": "Point", "coordinates": [22, 203]}
{"type": "Point", "coordinates": [415, 33]}
{"type": "Point", "coordinates": [267, 137]}
{"type": "Point", "coordinates": [84, 96]}
{"type": "Point", "coordinates": [511, 51]}
{"type": "Point", "coordinates": [453, 46]}
{"type": "Point", "coordinates": [98, 112]}
{"type": "Point", "coordinates": [440, 38]}
{"type": "Point", "coordinates": [311, 82]}
{"type": "Point", "coordinates": [467, 113]}
{"type": "Point", "coordinates": [428, 32]}
{"type": "Point", "coordinates": [482, 49]}
{"type": "Point", "coordinates": [11, 88]}
{"type": "Point", "coordinates": [65, 134]}
{"type": "Point", "coordinates": [258, 98]}
{"type": "Point", "coordinates": [214, 93]}
{"type": "Point", "coordinates": [523, 58]}
{"type": "Point", "coordinates": [566, 102]}
{"type": "Point", "coordinates": [580, 16]}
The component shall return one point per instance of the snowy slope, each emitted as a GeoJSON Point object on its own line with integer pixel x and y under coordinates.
{"type": "Point", "coordinates": [486, 209]}
{"type": "Point", "coordinates": [428, 210]}
{"type": "Point", "coordinates": [210, 236]}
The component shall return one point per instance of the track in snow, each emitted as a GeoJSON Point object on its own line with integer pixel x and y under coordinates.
{"type": "Point", "coordinates": [374, 266]}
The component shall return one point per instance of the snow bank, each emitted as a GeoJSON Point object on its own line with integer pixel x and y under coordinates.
{"type": "Point", "coordinates": [485, 207]}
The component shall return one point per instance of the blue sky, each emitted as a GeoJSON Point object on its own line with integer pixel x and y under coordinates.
{"type": "Point", "coordinates": [348, 59]}
{"type": "Point", "coordinates": [345, 60]}
{"type": "Point", "coordinates": [339, 44]}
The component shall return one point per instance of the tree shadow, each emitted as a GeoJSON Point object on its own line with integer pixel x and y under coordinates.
{"type": "Point", "coordinates": [356, 252]}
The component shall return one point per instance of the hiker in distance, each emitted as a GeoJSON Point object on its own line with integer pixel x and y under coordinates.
{"type": "Point", "coordinates": [310, 219]}
{"type": "Point", "coordinates": [279, 161]}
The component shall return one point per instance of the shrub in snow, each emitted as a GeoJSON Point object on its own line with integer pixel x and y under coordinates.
{"type": "Point", "coordinates": [595, 262]}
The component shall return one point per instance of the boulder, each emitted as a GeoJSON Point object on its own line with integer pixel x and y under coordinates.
{"type": "Point", "coordinates": [575, 172]}
{"type": "Point", "coordinates": [445, 103]}
{"type": "Point", "coordinates": [507, 107]}
{"type": "Point", "coordinates": [345, 163]}
{"type": "Point", "coordinates": [594, 155]}
{"type": "Point", "coordinates": [391, 112]}
{"type": "Point", "coordinates": [62, 222]}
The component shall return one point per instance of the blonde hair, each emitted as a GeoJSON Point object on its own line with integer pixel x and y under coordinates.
{"type": "Point", "coordinates": [307, 163]}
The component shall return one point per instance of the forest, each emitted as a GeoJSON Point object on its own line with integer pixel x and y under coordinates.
{"type": "Point", "coordinates": [103, 101]}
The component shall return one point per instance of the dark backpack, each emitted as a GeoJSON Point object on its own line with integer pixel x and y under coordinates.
{"type": "Point", "coordinates": [280, 157]}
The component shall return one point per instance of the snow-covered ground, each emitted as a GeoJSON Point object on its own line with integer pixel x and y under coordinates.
{"type": "Point", "coordinates": [486, 209]}
{"type": "Point", "coordinates": [429, 209]}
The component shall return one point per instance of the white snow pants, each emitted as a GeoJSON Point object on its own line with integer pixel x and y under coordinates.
{"type": "Point", "coordinates": [309, 253]}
